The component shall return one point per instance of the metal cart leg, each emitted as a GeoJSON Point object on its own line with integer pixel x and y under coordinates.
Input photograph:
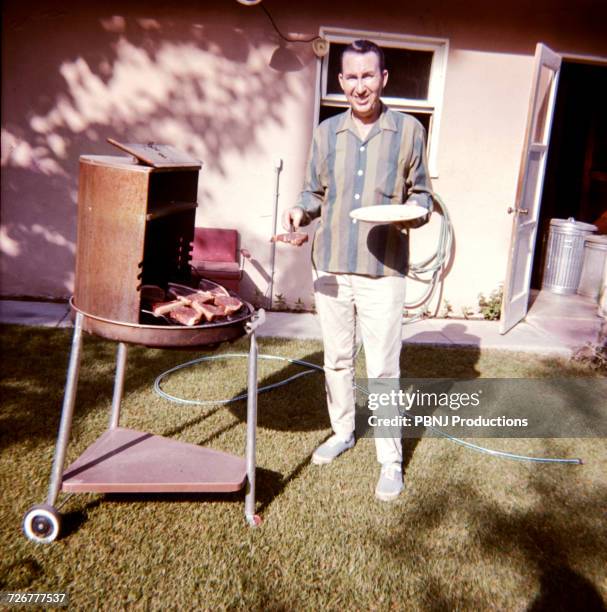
{"type": "Point", "coordinates": [43, 522]}
{"type": "Point", "coordinates": [121, 353]}
{"type": "Point", "coordinates": [249, 503]}
{"type": "Point", "coordinates": [67, 412]}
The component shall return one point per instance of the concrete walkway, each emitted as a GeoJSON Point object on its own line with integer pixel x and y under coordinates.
{"type": "Point", "coordinates": [544, 336]}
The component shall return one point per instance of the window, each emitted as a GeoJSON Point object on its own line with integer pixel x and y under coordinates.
{"type": "Point", "coordinates": [415, 85]}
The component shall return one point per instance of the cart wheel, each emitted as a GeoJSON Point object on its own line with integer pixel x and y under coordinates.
{"type": "Point", "coordinates": [41, 523]}
{"type": "Point", "coordinates": [254, 521]}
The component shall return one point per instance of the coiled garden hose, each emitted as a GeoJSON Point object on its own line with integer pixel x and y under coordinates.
{"type": "Point", "coordinates": [311, 369]}
{"type": "Point", "coordinates": [435, 263]}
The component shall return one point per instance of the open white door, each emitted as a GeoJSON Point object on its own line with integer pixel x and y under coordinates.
{"type": "Point", "coordinates": [529, 191]}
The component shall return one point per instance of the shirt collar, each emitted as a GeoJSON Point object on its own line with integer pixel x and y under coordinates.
{"type": "Point", "coordinates": [385, 121]}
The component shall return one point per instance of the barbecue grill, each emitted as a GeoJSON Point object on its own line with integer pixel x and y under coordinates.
{"type": "Point", "coordinates": [136, 217]}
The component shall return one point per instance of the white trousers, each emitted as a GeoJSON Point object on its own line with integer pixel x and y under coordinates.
{"type": "Point", "coordinates": [378, 303]}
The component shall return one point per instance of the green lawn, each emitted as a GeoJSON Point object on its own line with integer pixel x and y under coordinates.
{"type": "Point", "coordinates": [469, 532]}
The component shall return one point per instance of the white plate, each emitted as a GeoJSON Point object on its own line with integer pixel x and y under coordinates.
{"type": "Point", "coordinates": [388, 213]}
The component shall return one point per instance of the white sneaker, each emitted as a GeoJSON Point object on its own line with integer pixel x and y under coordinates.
{"type": "Point", "coordinates": [331, 449]}
{"type": "Point", "coordinates": [390, 483]}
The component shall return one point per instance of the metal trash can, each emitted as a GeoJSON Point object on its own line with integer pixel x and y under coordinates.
{"type": "Point", "coordinates": [603, 295]}
{"type": "Point", "coordinates": [595, 252]}
{"type": "Point", "coordinates": [565, 255]}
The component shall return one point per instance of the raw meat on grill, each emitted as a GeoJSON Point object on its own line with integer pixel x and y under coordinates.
{"type": "Point", "coordinates": [201, 297]}
{"type": "Point", "coordinates": [211, 311]}
{"type": "Point", "coordinates": [187, 295]}
{"type": "Point", "coordinates": [191, 306]}
{"type": "Point", "coordinates": [185, 315]}
{"type": "Point", "coordinates": [162, 308]}
{"type": "Point", "coordinates": [196, 299]}
{"type": "Point", "coordinates": [198, 302]}
{"type": "Point", "coordinates": [294, 238]}
{"type": "Point", "coordinates": [229, 303]}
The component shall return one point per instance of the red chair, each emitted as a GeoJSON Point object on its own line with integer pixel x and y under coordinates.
{"type": "Point", "coordinates": [216, 256]}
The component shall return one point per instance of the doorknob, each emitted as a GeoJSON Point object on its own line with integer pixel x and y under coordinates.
{"type": "Point", "coordinates": [518, 211]}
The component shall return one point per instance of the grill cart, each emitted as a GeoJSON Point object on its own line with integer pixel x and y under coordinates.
{"type": "Point", "coordinates": [136, 217]}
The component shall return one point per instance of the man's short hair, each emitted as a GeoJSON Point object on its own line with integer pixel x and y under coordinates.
{"type": "Point", "coordinates": [364, 46]}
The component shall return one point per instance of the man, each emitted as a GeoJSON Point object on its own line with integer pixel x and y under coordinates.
{"type": "Point", "coordinates": [366, 156]}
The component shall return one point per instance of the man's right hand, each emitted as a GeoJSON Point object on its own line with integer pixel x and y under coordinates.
{"type": "Point", "coordinates": [292, 218]}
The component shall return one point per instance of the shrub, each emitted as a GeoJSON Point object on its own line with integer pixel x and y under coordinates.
{"type": "Point", "coordinates": [491, 307]}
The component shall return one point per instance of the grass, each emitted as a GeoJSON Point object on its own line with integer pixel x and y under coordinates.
{"type": "Point", "coordinates": [469, 532]}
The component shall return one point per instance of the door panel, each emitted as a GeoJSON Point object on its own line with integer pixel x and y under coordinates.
{"type": "Point", "coordinates": [542, 108]}
{"type": "Point", "coordinates": [529, 190]}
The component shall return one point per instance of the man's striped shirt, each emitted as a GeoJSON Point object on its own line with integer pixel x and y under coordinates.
{"type": "Point", "coordinates": [345, 172]}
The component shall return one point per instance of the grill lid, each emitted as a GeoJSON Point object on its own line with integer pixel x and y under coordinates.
{"type": "Point", "coordinates": [157, 155]}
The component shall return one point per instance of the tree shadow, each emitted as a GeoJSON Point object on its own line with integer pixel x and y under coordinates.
{"type": "Point", "coordinates": [419, 357]}
{"type": "Point", "coordinates": [421, 350]}
{"type": "Point", "coordinates": [562, 588]}
{"type": "Point", "coordinates": [139, 74]}
{"type": "Point", "coordinates": [297, 406]}
{"type": "Point", "coordinates": [33, 380]}
{"type": "Point", "coordinates": [543, 539]}
{"type": "Point", "coordinates": [20, 574]}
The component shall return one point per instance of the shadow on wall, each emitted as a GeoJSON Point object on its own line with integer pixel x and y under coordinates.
{"type": "Point", "coordinates": [74, 77]}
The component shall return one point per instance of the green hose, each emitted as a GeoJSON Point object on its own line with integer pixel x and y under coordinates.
{"type": "Point", "coordinates": [311, 369]}
{"type": "Point", "coordinates": [435, 264]}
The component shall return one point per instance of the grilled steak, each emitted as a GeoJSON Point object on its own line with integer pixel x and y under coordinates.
{"type": "Point", "coordinates": [185, 315]}
{"type": "Point", "coordinates": [210, 311]}
{"type": "Point", "coordinates": [199, 301]}
{"type": "Point", "coordinates": [191, 305]}
{"type": "Point", "coordinates": [201, 297]}
{"type": "Point", "coordinates": [188, 295]}
{"type": "Point", "coordinates": [294, 238]}
{"type": "Point", "coordinates": [228, 303]}
{"type": "Point", "coordinates": [162, 308]}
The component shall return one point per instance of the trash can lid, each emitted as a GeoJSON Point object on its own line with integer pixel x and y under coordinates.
{"type": "Point", "coordinates": [572, 225]}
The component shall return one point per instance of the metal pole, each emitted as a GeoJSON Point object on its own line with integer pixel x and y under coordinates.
{"type": "Point", "coordinates": [67, 412]}
{"type": "Point", "coordinates": [118, 384]}
{"type": "Point", "coordinates": [277, 169]}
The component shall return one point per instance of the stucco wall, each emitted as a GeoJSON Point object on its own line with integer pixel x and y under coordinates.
{"type": "Point", "coordinates": [198, 77]}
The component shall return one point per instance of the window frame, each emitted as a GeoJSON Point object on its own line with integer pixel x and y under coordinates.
{"type": "Point", "coordinates": [432, 106]}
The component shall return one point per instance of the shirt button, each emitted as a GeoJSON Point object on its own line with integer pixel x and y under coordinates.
{"type": "Point", "coordinates": [357, 196]}
{"type": "Point", "coordinates": [362, 148]}
{"type": "Point", "coordinates": [360, 173]}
